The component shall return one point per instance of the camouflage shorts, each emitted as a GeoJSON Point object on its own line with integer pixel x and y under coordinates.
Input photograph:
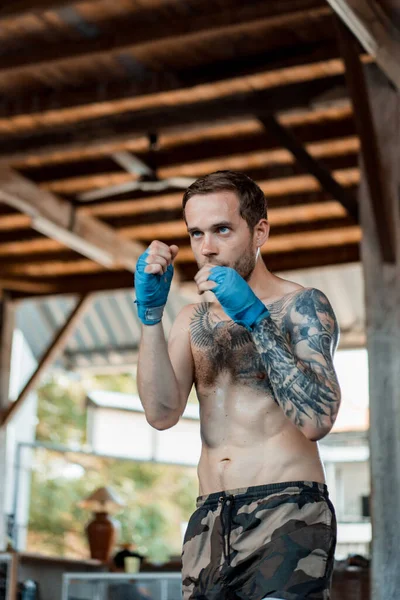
{"type": "Point", "coordinates": [269, 541]}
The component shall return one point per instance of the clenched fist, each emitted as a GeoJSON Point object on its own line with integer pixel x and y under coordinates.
{"type": "Point", "coordinates": [234, 294]}
{"type": "Point", "coordinates": [153, 276]}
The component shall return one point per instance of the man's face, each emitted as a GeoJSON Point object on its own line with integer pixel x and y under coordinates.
{"type": "Point", "coordinates": [218, 234]}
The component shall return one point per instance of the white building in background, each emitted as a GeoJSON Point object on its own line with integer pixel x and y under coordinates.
{"type": "Point", "coordinates": [117, 427]}
{"type": "Point", "coordinates": [345, 453]}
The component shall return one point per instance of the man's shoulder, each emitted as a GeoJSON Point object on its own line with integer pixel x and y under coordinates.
{"type": "Point", "coordinates": [187, 318]}
{"type": "Point", "coordinates": [299, 297]}
{"type": "Point", "coordinates": [282, 290]}
{"type": "Point", "coordinates": [181, 326]}
{"type": "Point", "coordinates": [189, 312]}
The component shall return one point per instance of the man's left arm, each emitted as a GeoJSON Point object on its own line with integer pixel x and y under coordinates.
{"type": "Point", "coordinates": [298, 358]}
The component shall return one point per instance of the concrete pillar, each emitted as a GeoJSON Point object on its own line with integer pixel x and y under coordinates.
{"type": "Point", "coordinates": [382, 290]}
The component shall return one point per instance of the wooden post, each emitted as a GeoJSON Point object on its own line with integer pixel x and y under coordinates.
{"type": "Point", "coordinates": [6, 335]}
{"type": "Point", "coordinates": [374, 30]}
{"type": "Point", "coordinates": [374, 174]}
{"type": "Point", "coordinates": [382, 288]}
{"type": "Point", "coordinates": [7, 309]}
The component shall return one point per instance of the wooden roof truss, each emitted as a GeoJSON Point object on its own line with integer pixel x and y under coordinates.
{"type": "Point", "coordinates": [259, 87]}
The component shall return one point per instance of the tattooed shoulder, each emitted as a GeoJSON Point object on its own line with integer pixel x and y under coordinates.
{"type": "Point", "coordinates": [310, 313]}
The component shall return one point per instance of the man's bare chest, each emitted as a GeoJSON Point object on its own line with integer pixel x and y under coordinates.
{"type": "Point", "coordinates": [221, 348]}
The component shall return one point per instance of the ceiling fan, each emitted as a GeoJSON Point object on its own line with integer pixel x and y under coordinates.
{"type": "Point", "coordinates": [148, 180]}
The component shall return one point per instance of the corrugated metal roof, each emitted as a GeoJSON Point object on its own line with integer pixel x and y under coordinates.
{"type": "Point", "coordinates": [109, 332]}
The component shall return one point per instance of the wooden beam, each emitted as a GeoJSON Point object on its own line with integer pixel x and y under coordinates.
{"type": "Point", "coordinates": [312, 215]}
{"type": "Point", "coordinates": [276, 209]}
{"type": "Point", "coordinates": [276, 188]}
{"type": "Point", "coordinates": [199, 142]}
{"type": "Point", "coordinates": [374, 31]}
{"type": "Point", "coordinates": [118, 280]}
{"type": "Point", "coordinates": [117, 36]}
{"type": "Point", "coordinates": [53, 268]}
{"type": "Point", "coordinates": [328, 148]}
{"type": "Point", "coordinates": [297, 241]}
{"type": "Point", "coordinates": [82, 284]}
{"type": "Point", "coordinates": [26, 286]}
{"type": "Point", "coordinates": [290, 242]}
{"type": "Point", "coordinates": [60, 263]}
{"type": "Point", "coordinates": [123, 219]}
{"type": "Point", "coordinates": [325, 132]}
{"type": "Point", "coordinates": [265, 70]}
{"type": "Point", "coordinates": [58, 219]}
{"type": "Point", "coordinates": [17, 8]}
{"type": "Point", "coordinates": [274, 162]}
{"type": "Point", "coordinates": [307, 213]}
{"type": "Point", "coordinates": [124, 127]}
{"type": "Point", "coordinates": [7, 323]}
{"type": "Point", "coordinates": [311, 164]}
{"type": "Point", "coordinates": [14, 221]}
{"type": "Point", "coordinates": [302, 259]}
{"type": "Point", "coordinates": [35, 246]}
{"type": "Point", "coordinates": [50, 355]}
{"type": "Point", "coordinates": [378, 193]}
{"type": "Point", "coordinates": [246, 145]}
{"type": "Point", "coordinates": [91, 189]}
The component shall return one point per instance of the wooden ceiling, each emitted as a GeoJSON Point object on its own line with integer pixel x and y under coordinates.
{"type": "Point", "coordinates": [82, 82]}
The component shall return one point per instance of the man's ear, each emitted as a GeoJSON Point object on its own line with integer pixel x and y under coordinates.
{"type": "Point", "coordinates": [261, 232]}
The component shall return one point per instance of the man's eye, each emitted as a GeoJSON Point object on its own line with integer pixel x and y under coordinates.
{"type": "Point", "coordinates": [223, 229]}
{"type": "Point", "coordinates": [195, 234]}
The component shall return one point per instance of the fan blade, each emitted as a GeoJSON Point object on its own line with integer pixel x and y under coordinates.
{"type": "Point", "coordinates": [132, 164]}
{"type": "Point", "coordinates": [165, 184]}
{"type": "Point", "coordinates": [111, 190]}
{"type": "Point", "coordinates": [144, 186]}
{"type": "Point", "coordinates": [180, 182]}
{"type": "Point", "coordinates": [153, 186]}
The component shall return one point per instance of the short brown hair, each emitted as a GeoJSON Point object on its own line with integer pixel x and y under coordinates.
{"type": "Point", "coordinates": [252, 201]}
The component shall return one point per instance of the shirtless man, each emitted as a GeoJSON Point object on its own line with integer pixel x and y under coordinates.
{"type": "Point", "coordinates": [260, 357]}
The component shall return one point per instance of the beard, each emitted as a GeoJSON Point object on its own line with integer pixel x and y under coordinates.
{"type": "Point", "coordinates": [244, 265]}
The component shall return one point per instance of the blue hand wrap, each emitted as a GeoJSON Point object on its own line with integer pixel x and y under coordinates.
{"type": "Point", "coordinates": [151, 291]}
{"type": "Point", "coordinates": [237, 298]}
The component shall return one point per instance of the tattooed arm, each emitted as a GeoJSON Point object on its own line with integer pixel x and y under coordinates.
{"type": "Point", "coordinates": [298, 359]}
{"type": "Point", "coordinates": [295, 338]}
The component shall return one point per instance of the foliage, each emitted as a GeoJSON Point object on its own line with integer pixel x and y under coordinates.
{"type": "Point", "coordinates": [157, 498]}
{"type": "Point", "coordinates": [122, 382]}
{"type": "Point", "coordinates": [61, 412]}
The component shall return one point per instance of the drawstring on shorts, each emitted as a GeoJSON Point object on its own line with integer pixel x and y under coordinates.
{"type": "Point", "coordinates": [226, 525]}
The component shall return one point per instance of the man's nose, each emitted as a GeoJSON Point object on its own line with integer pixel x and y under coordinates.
{"type": "Point", "coordinates": [208, 247]}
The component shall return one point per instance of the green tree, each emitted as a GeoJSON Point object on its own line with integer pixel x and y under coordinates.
{"type": "Point", "coordinates": [61, 412]}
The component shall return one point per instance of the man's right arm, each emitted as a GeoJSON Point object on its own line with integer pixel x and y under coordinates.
{"type": "Point", "coordinates": [165, 371]}
{"type": "Point", "coordinates": [165, 374]}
